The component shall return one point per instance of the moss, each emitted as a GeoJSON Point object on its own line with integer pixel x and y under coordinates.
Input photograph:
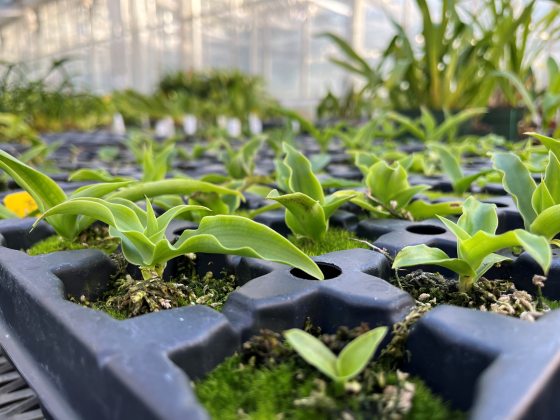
{"type": "Point", "coordinates": [94, 237]}
{"type": "Point", "coordinates": [54, 243]}
{"type": "Point", "coordinates": [552, 304]}
{"type": "Point", "coordinates": [129, 297]}
{"type": "Point", "coordinates": [336, 239]}
{"type": "Point", "coordinates": [269, 380]}
{"type": "Point", "coordinates": [427, 406]}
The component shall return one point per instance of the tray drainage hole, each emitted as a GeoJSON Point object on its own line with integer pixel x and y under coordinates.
{"type": "Point", "coordinates": [426, 229]}
{"type": "Point", "coordinates": [330, 271]}
{"type": "Point", "coordinates": [498, 204]}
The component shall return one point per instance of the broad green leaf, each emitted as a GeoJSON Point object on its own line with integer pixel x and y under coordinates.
{"type": "Point", "coordinates": [301, 178]}
{"type": "Point", "coordinates": [335, 200]}
{"type": "Point", "coordinates": [238, 235]}
{"type": "Point", "coordinates": [552, 177]}
{"type": "Point", "coordinates": [517, 181]}
{"type": "Point", "coordinates": [547, 223]}
{"type": "Point", "coordinates": [488, 262]}
{"type": "Point", "coordinates": [482, 244]}
{"type": "Point", "coordinates": [100, 175]}
{"type": "Point", "coordinates": [457, 230]}
{"type": "Point", "coordinates": [98, 190]}
{"type": "Point", "coordinates": [422, 254]}
{"type": "Point", "coordinates": [550, 143]}
{"type": "Point", "coordinates": [319, 161]}
{"type": "Point", "coordinates": [367, 205]}
{"type": "Point", "coordinates": [185, 186]}
{"type": "Point", "coordinates": [449, 162]}
{"type": "Point", "coordinates": [421, 210]}
{"type": "Point", "coordinates": [356, 355]}
{"type": "Point", "coordinates": [384, 181]}
{"type": "Point", "coordinates": [44, 190]}
{"type": "Point", "coordinates": [403, 197]}
{"type": "Point", "coordinates": [113, 214]}
{"type": "Point", "coordinates": [304, 215]}
{"type": "Point", "coordinates": [478, 216]}
{"type": "Point", "coordinates": [542, 199]}
{"type": "Point", "coordinates": [313, 351]}
{"type": "Point", "coordinates": [463, 184]}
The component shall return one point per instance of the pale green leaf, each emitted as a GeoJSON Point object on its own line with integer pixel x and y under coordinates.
{"type": "Point", "coordinates": [304, 215]}
{"type": "Point", "coordinates": [478, 216]}
{"type": "Point", "coordinates": [517, 181]}
{"type": "Point", "coordinates": [424, 255]}
{"type": "Point", "coordinates": [236, 235]}
{"type": "Point", "coordinates": [313, 351]}
{"type": "Point", "coordinates": [356, 355]}
{"type": "Point", "coordinates": [421, 210]}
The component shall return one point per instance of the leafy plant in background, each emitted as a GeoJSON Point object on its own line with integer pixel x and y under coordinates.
{"type": "Point", "coordinates": [452, 168]}
{"type": "Point", "coordinates": [144, 243]}
{"type": "Point", "coordinates": [550, 98]}
{"type": "Point", "coordinates": [307, 208]}
{"type": "Point", "coordinates": [476, 245]}
{"type": "Point", "coordinates": [427, 129]}
{"type": "Point", "coordinates": [389, 194]}
{"type": "Point", "coordinates": [322, 136]}
{"type": "Point", "coordinates": [351, 361]}
{"type": "Point", "coordinates": [351, 105]}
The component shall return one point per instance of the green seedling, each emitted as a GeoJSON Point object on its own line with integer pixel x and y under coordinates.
{"type": "Point", "coordinates": [307, 208]}
{"type": "Point", "coordinates": [389, 194]}
{"type": "Point", "coordinates": [240, 163]}
{"type": "Point", "coordinates": [144, 243]}
{"type": "Point", "coordinates": [452, 167]}
{"type": "Point", "coordinates": [476, 245]}
{"type": "Point", "coordinates": [351, 361]}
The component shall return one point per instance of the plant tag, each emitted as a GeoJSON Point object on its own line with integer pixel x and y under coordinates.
{"type": "Point", "coordinates": [165, 127]}
{"type": "Point", "coordinates": [255, 124]}
{"type": "Point", "coordinates": [189, 124]}
{"type": "Point", "coordinates": [21, 203]}
{"type": "Point", "coordinates": [234, 127]}
{"type": "Point", "coordinates": [118, 126]}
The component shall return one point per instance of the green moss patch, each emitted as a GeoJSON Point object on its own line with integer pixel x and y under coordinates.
{"type": "Point", "coordinates": [94, 237]}
{"type": "Point", "coordinates": [267, 380]}
{"type": "Point", "coordinates": [336, 239]}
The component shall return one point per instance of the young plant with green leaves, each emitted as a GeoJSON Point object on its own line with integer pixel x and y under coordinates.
{"type": "Point", "coordinates": [240, 163]}
{"type": "Point", "coordinates": [47, 193]}
{"type": "Point", "coordinates": [451, 165]}
{"type": "Point", "coordinates": [145, 244]}
{"type": "Point", "coordinates": [539, 205]}
{"type": "Point", "coordinates": [389, 194]}
{"type": "Point", "coordinates": [477, 245]}
{"type": "Point", "coordinates": [307, 208]}
{"type": "Point", "coordinates": [351, 361]}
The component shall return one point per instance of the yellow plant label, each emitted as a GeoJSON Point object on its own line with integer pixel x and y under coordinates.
{"type": "Point", "coordinates": [21, 203]}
